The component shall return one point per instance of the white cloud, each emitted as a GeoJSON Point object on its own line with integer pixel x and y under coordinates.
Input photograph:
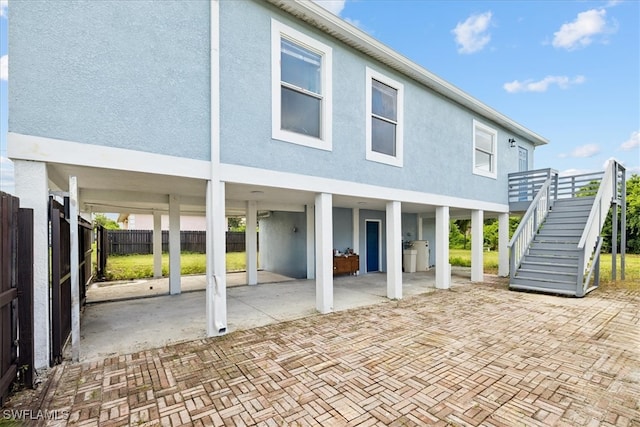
{"type": "Point", "coordinates": [632, 142]}
{"type": "Point", "coordinates": [588, 150]}
{"type": "Point", "coordinates": [4, 4]}
{"type": "Point", "coordinates": [563, 82]}
{"type": "Point", "coordinates": [472, 34]}
{"type": "Point", "coordinates": [581, 31]}
{"type": "Point", "coordinates": [4, 67]}
{"type": "Point", "coordinates": [7, 181]}
{"type": "Point", "coordinates": [333, 6]}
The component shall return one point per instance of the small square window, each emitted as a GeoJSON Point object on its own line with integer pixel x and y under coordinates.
{"type": "Point", "coordinates": [384, 100]}
{"type": "Point", "coordinates": [484, 150]}
{"type": "Point", "coordinates": [301, 88]}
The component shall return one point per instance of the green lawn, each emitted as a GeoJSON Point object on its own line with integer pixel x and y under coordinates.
{"type": "Point", "coordinates": [127, 267]}
{"type": "Point", "coordinates": [141, 266]}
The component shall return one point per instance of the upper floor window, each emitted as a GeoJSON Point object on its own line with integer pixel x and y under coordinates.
{"type": "Point", "coordinates": [484, 150]}
{"type": "Point", "coordinates": [384, 98]}
{"type": "Point", "coordinates": [301, 88]}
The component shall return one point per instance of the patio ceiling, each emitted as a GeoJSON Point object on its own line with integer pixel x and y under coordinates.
{"type": "Point", "coordinates": [116, 191]}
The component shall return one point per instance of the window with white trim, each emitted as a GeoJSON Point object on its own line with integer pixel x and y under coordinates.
{"type": "Point", "coordinates": [385, 111]}
{"type": "Point", "coordinates": [485, 149]}
{"type": "Point", "coordinates": [301, 88]}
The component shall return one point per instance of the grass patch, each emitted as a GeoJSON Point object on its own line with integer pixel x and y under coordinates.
{"type": "Point", "coordinates": [632, 272]}
{"type": "Point", "coordinates": [462, 258]}
{"type": "Point", "coordinates": [130, 267]}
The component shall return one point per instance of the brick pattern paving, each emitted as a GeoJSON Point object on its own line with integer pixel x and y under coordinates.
{"type": "Point", "coordinates": [475, 355]}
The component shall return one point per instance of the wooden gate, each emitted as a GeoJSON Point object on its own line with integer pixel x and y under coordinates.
{"type": "Point", "coordinates": [16, 293]}
{"type": "Point", "coordinates": [61, 273]}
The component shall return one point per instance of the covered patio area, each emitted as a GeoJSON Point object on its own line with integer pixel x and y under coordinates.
{"type": "Point", "coordinates": [115, 327]}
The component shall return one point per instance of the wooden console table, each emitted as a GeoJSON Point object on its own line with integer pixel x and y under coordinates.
{"type": "Point", "coordinates": [346, 264]}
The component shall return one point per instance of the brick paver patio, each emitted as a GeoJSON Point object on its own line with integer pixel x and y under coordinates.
{"type": "Point", "coordinates": [474, 355]}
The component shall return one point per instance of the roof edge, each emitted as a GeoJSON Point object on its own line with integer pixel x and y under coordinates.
{"type": "Point", "coordinates": [354, 37]}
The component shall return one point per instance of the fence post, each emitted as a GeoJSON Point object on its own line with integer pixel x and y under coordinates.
{"type": "Point", "coordinates": [25, 295]}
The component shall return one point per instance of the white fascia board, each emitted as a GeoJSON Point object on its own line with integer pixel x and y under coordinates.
{"type": "Point", "coordinates": [254, 176]}
{"type": "Point", "coordinates": [49, 150]}
{"type": "Point", "coordinates": [241, 205]}
{"type": "Point", "coordinates": [335, 26]}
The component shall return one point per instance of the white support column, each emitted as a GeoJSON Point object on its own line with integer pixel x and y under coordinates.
{"type": "Point", "coordinates": [311, 245]}
{"type": "Point", "coordinates": [31, 186]}
{"type": "Point", "coordinates": [324, 252]}
{"type": "Point", "coordinates": [251, 238]}
{"type": "Point", "coordinates": [174, 244]}
{"type": "Point", "coordinates": [216, 294]}
{"type": "Point", "coordinates": [157, 245]}
{"type": "Point", "coordinates": [74, 265]}
{"type": "Point", "coordinates": [356, 231]}
{"type": "Point", "coordinates": [477, 246]}
{"type": "Point", "coordinates": [420, 221]}
{"type": "Point", "coordinates": [394, 250]}
{"type": "Point", "coordinates": [443, 268]}
{"type": "Point", "coordinates": [503, 245]}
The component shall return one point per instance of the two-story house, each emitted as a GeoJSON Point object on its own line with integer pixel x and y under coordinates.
{"type": "Point", "coordinates": [278, 110]}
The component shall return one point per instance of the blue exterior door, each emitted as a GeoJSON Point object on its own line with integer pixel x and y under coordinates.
{"type": "Point", "coordinates": [373, 246]}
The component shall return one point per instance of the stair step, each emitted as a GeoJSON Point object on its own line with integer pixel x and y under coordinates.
{"type": "Point", "coordinates": [560, 233]}
{"type": "Point", "coordinates": [575, 201]}
{"type": "Point", "coordinates": [555, 287]}
{"type": "Point", "coordinates": [557, 238]}
{"type": "Point", "coordinates": [569, 214]}
{"type": "Point", "coordinates": [553, 246]}
{"type": "Point", "coordinates": [550, 259]}
{"type": "Point", "coordinates": [555, 224]}
{"type": "Point", "coordinates": [548, 275]}
{"type": "Point", "coordinates": [553, 252]}
{"type": "Point", "coordinates": [548, 266]}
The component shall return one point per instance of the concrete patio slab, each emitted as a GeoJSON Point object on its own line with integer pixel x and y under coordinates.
{"type": "Point", "coordinates": [115, 322]}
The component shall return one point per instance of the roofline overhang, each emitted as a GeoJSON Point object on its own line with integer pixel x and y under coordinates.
{"type": "Point", "coordinates": [352, 36]}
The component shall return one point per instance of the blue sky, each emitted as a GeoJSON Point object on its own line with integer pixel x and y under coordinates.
{"type": "Point", "coordinates": [568, 70]}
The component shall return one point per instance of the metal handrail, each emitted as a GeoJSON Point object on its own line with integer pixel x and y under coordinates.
{"type": "Point", "coordinates": [529, 224]}
{"type": "Point", "coordinates": [595, 267]}
{"type": "Point", "coordinates": [598, 215]}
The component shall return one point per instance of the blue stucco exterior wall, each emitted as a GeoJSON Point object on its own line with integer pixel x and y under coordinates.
{"type": "Point", "coordinates": [342, 229]}
{"type": "Point", "coordinates": [130, 74]}
{"type": "Point", "coordinates": [283, 250]}
{"type": "Point", "coordinates": [438, 134]}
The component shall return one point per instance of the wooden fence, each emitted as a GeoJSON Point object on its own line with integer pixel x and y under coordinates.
{"type": "Point", "coordinates": [125, 242]}
{"type": "Point", "coordinates": [16, 294]}
{"type": "Point", "coordinates": [61, 274]}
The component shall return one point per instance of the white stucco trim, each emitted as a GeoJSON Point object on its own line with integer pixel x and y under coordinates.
{"type": "Point", "coordinates": [503, 245]}
{"type": "Point", "coordinates": [493, 173]}
{"type": "Point", "coordinates": [371, 155]}
{"type": "Point", "coordinates": [324, 252]}
{"type": "Point", "coordinates": [255, 176]}
{"type": "Point", "coordinates": [394, 250]}
{"type": "Point", "coordinates": [311, 241]}
{"type": "Point", "coordinates": [175, 274]}
{"type": "Point", "coordinates": [33, 191]}
{"type": "Point", "coordinates": [279, 31]}
{"type": "Point", "coordinates": [477, 246]}
{"type": "Point", "coordinates": [443, 268]}
{"type": "Point", "coordinates": [38, 148]}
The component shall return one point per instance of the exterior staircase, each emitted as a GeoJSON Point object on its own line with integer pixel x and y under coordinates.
{"type": "Point", "coordinates": [556, 248]}
{"type": "Point", "coordinates": [551, 264]}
